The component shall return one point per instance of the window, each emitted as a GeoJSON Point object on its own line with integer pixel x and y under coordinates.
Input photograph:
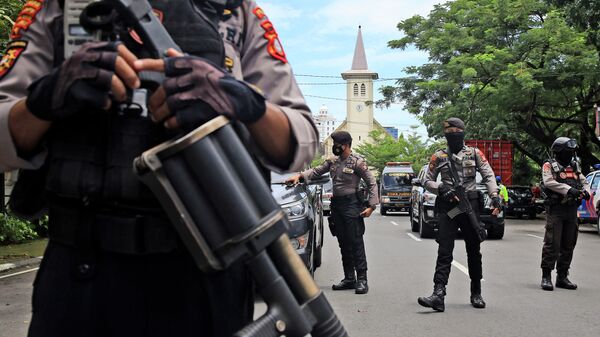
{"type": "Point", "coordinates": [355, 89]}
{"type": "Point", "coordinates": [363, 90]}
{"type": "Point", "coordinates": [595, 182]}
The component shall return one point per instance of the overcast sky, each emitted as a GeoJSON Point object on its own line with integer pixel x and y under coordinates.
{"type": "Point", "coordinates": [319, 39]}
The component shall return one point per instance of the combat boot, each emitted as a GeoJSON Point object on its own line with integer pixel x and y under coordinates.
{"type": "Point", "coordinates": [547, 280]}
{"type": "Point", "coordinates": [562, 281]}
{"type": "Point", "coordinates": [476, 299]}
{"type": "Point", "coordinates": [349, 281]}
{"type": "Point", "coordinates": [436, 300]}
{"type": "Point", "coordinates": [361, 283]}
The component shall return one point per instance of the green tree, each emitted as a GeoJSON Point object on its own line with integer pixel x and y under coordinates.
{"type": "Point", "coordinates": [409, 148]}
{"type": "Point", "coordinates": [511, 69]}
{"type": "Point", "coordinates": [9, 9]}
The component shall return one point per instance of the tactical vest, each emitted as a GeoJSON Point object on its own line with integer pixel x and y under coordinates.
{"type": "Point", "coordinates": [91, 154]}
{"type": "Point", "coordinates": [564, 175]}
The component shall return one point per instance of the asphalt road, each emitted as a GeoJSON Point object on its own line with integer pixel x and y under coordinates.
{"type": "Point", "coordinates": [401, 269]}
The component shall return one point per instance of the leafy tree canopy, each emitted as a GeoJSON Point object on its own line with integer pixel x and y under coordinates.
{"type": "Point", "coordinates": [9, 9]}
{"type": "Point", "coordinates": [409, 148]}
{"type": "Point", "coordinates": [511, 69]}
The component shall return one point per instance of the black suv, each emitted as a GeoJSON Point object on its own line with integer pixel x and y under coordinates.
{"type": "Point", "coordinates": [303, 206]}
{"type": "Point", "coordinates": [424, 219]}
{"type": "Point", "coordinates": [520, 202]}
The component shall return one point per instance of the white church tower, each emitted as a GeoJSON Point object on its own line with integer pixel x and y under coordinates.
{"type": "Point", "coordinates": [359, 94]}
{"type": "Point", "coordinates": [359, 98]}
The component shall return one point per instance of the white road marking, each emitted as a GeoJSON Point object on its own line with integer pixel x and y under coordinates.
{"type": "Point", "coordinates": [19, 273]}
{"type": "Point", "coordinates": [462, 268]}
{"type": "Point", "coordinates": [535, 236]}
{"type": "Point", "coordinates": [412, 236]}
{"type": "Point", "coordinates": [394, 223]}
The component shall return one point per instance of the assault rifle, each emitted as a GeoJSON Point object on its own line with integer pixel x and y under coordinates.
{"type": "Point", "coordinates": [464, 205]}
{"type": "Point", "coordinates": [222, 208]}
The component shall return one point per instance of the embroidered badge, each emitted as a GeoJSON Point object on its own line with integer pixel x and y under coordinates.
{"type": "Point", "coordinates": [13, 51]}
{"type": "Point", "coordinates": [347, 170]}
{"type": "Point", "coordinates": [25, 18]}
{"type": "Point", "coordinates": [274, 47]}
{"type": "Point", "coordinates": [482, 156]}
{"type": "Point", "coordinates": [563, 175]}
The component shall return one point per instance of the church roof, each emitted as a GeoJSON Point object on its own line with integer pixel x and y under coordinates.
{"type": "Point", "coordinates": [359, 61]}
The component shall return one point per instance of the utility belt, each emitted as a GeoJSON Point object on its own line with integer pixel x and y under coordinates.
{"type": "Point", "coordinates": [557, 200]}
{"type": "Point", "coordinates": [132, 235]}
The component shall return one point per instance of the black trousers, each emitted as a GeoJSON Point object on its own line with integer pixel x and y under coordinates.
{"type": "Point", "coordinates": [350, 228]}
{"type": "Point", "coordinates": [446, 235]}
{"type": "Point", "coordinates": [124, 295]}
{"type": "Point", "coordinates": [560, 238]}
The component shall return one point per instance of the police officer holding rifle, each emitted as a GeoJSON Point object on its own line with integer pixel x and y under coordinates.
{"type": "Point", "coordinates": [458, 204]}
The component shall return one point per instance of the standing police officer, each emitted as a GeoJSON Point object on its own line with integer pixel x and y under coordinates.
{"type": "Point", "coordinates": [347, 209]}
{"type": "Point", "coordinates": [466, 162]}
{"type": "Point", "coordinates": [114, 265]}
{"type": "Point", "coordinates": [564, 186]}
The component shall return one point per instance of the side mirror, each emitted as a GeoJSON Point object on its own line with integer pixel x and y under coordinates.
{"type": "Point", "coordinates": [416, 182]}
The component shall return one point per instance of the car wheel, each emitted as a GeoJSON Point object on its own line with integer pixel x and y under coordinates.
{"type": "Point", "coordinates": [519, 215]}
{"type": "Point", "coordinates": [383, 211]}
{"type": "Point", "coordinates": [425, 231]}
{"type": "Point", "coordinates": [532, 215]}
{"type": "Point", "coordinates": [496, 232]}
{"type": "Point", "coordinates": [598, 225]}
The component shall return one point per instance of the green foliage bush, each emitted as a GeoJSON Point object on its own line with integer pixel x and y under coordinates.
{"type": "Point", "coordinates": [14, 230]}
{"type": "Point", "coordinates": [9, 9]}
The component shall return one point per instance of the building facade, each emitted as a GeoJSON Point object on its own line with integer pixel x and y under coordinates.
{"type": "Point", "coordinates": [325, 123]}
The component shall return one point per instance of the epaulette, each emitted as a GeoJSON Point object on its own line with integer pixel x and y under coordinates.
{"type": "Point", "coordinates": [441, 153]}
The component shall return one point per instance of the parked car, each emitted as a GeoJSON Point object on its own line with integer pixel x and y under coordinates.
{"type": "Point", "coordinates": [395, 187]}
{"type": "Point", "coordinates": [424, 219]}
{"type": "Point", "coordinates": [303, 206]}
{"type": "Point", "coordinates": [588, 210]}
{"type": "Point", "coordinates": [327, 195]}
{"type": "Point", "coordinates": [520, 202]}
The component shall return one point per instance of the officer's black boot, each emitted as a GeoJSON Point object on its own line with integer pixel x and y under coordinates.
{"type": "Point", "coordinates": [562, 281]}
{"type": "Point", "coordinates": [436, 300]}
{"type": "Point", "coordinates": [361, 282]}
{"type": "Point", "coordinates": [349, 281]}
{"type": "Point", "coordinates": [547, 280]}
{"type": "Point", "coordinates": [476, 299]}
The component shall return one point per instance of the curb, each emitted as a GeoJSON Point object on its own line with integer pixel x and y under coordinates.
{"type": "Point", "coordinates": [17, 264]}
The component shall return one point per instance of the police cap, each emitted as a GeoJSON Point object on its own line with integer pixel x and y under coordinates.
{"type": "Point", "coordinates": [564, 143]}
{"type": "Point", "coordinates": [454, 122]}
{"type": "Point", "coordinates": [341, 137]}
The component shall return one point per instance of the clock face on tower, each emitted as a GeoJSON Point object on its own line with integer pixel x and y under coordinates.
{"type": "Point", "coordinates": [359, 107]}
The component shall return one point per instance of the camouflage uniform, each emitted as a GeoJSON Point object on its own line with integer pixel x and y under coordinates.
{"type": "Point", "coordinates": [467, 162]}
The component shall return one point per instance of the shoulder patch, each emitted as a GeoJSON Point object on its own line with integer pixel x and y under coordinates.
{"type": "Point", "coordinates": [13, 51]}
{"type": "Point", "coordinates": [481, 155]}
{"type": "Point", "coordinates": [25, 18]}
{"type": "Point", "coordinates": [547, 167]}
{"type": "Point", "coordinates": [274, 47]}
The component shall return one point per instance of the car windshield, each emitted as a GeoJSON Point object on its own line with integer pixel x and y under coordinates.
{"type": "Point", "coordinates": [396, 179]}
{"type": "Point", "coordinates": [520, 191]}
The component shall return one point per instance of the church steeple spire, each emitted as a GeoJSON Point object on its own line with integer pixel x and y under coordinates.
{"type": "Point", "coordinates": [359, 62]}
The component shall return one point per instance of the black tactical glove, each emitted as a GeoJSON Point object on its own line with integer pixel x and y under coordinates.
{"type": "Point", "coordinates": [80, 83]}
{"type": "Point", "coordinates": [198, 90]}
{"type": "Point", "coordinates": [586, 195]}
{"type": "Point", "coordinates": [446, 192]}
{"type": "Point", "coordinates": [574, 193]}
{"type": "Point", "coordinates": [496, 202]}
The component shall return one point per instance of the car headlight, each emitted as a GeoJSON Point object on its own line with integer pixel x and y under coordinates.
{"type": "Point", "coordinates": [429, 199]}
{"type": "Point", "coordinates": [385, 199]}
{"type": "Point", "coordinates": [297, 209]}
{"type": "Point", "coordinates": [300, 242]}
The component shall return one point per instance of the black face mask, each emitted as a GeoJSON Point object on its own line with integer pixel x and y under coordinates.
{"type": "Point", "coordinates": [564, 157]}
{"type": "Point", "coordinates": [455, 141]}
{"type": "Point", "coordinates": [337, 150]}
